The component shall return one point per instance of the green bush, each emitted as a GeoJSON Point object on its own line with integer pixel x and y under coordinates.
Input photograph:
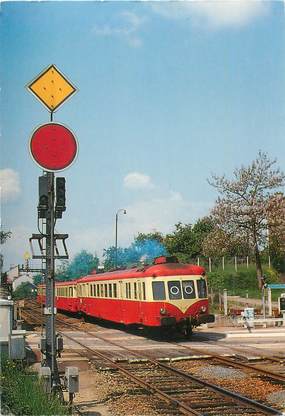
{"type": "Point", "coordinates": [23, 395]}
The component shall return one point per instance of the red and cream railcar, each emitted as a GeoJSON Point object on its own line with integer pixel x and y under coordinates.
{"type": "Point", "coordinates": [65, 295]}
{"type": "Point", "coordinates": [166, 294]}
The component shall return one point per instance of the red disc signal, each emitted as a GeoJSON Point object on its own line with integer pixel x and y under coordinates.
{"type": "Point", "coordinates": [53, 147]}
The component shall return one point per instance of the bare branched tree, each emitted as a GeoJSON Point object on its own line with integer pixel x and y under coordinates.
{"type": "Point", "coordinates": [242, 207]}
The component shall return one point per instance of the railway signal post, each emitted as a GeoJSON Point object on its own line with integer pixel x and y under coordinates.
{"type": "Point", "coordinates": [53, 148]}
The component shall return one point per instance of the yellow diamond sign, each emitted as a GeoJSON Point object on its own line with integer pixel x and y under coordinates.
{"type": "Point", "coordinates": [52, 88]}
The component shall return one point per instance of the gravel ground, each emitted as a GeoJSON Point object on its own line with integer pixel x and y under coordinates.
{"type": "Point", "coordinates": [218, 371]}
{"type": "Point", "coordinates": [114, 394]}
{"type": "Point", "coordinates": [277, 398]}
{"type": "Point", "coordinates": [251, 386]}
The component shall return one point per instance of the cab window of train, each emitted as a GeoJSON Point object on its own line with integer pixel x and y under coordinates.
{"type": "Point", "coordinates": [202, 288]}
{"type": "Point", "coordinates": [158, 290]}
{"type": "Point", "coordinates": [188, 289]}
{"type": "Point", "coordinates": [115, 289]}
{"type": "Point", "coordinates": [174, 289]}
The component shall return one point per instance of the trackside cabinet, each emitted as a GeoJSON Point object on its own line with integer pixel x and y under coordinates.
{"type": "Point", "coordinates": [72, 379]}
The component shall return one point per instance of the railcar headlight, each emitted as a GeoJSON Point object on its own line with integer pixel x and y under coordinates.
{"type": "Point", "coordinates": [203, 308]}
{"type": "Point", "coordinates": [163, 311]}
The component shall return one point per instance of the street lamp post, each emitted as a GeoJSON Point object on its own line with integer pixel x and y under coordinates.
{"type": "Point", "coordinates": [116, 239]}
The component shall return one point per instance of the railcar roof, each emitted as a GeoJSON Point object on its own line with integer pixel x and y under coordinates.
{"type": "Point", "coordinates": [156, 270]}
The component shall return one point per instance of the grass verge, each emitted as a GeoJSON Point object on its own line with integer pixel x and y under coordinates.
{"type": "Point", "coordinates": [22, 393]}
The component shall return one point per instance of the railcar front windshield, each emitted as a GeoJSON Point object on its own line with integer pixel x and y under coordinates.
{"type": "Point", "coordinates": [179, 289]}
{"type": "Point", "coordinates": [158, 290]}
{"type": "Point", "coordinates": [202, 288]}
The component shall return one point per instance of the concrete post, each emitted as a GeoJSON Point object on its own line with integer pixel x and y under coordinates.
{"type": "Point", "coordinates": [210, 264]}
{"type": "Point", "coordinates": [263, 303]}
{"type": "Point", "coordinates": [225, 302]}
{"type": "Point", "coordinates": [223, 263]}
{"type": "Point", "coordinates": [6, 323]}
{"type": "Point", "coordinates": [269, 297]}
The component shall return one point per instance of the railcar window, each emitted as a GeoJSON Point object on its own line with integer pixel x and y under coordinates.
{"type": "Point", "coordinates": [115, 289]}
{"type": "Point", "coordinates": [158, 290]}
{"type": "Point", "coordinates": [105, 290]}
{"type": "Point", "coordinates": [188, 289]}
{"type": "Point", "coordinates": [135, 291]}
{"type": "Point", "coordinates": [110, 290]}
{"type": "Point", "coordinates": [174, 289]}
{"type": "Point", "coordinates": [143, 286]}
{"type": "Point", "coordinates": [128, 290]}
{"type": "Point", "coordinates": [98, 292]}
{"type": "Point", "coordinates": [202, 288]}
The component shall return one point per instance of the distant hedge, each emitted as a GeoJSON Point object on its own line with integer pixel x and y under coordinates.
{"type": "Point", "coordinates": [243, 279]}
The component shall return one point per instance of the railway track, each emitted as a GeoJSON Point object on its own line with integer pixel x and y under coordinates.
{"type": "Point", "coordinates": [184, 392]}
{"type": "Point", "coordinates": [237, 361]}
{"type": "Point", "coordinates": [188, 394]}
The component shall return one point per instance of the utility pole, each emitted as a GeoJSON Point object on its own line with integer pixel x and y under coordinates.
{"type": "Point", "coordinates": [53, 148]}
{"type": "Point", "coordinates": [50, 286]}
{"type": "Point", "coordinates": [116, 235]}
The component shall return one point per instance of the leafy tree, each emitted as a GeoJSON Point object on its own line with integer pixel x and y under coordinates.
{"type": "Point", "coordinates": [276, 230]}
{"type": "Point", "coordinates": [219, 243]}
{"type": "Point", "coordinates": [143, 249]}
{"type": "Point", "coordinates": [82, 264]}
{"type": "Point", "coordinates": [25, 290]}
{"type": "Point", "coordinates": [186, 241]}
{"type": "Point", "coordinates": [4, 235]}
{"type": "Point", "coordinates": [153, 236]}
{"type": "Point", "coordinates": [63, 271]}
{"type": "Point", "coordinates": [38, 279]}
{"type": "Point", "coordinates": [180, 242]}
{"type": "Point", "coordinates": [241, 208]}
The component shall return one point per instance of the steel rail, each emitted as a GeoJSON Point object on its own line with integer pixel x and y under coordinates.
{"type": "Point", "coordinates": [233, 347]}
{"type": "Point", "coordinates": [257, 369]}
{"type": "Point", "coordinates": [267, 373]}
{"type": "Point", "coordinates": [217, 389]}
{"type": "Point", "coordinates": [180, 406]}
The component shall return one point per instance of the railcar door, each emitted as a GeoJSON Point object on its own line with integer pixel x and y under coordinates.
{"type": "Point", "coordinates": [122, 303]}
{"type": "Point", "coordinates": [140, 296]}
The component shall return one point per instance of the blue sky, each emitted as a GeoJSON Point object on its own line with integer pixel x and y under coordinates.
{"type": "Point", "coordinates": [168, 94]}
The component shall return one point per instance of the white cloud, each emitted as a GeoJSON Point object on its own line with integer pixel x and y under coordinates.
{"type": "Point", "coordinates": [9, 184]}
{"type": "Point", "coordinates": [136, 180]}
{"type": "Point", "coordinates": [126, 26]}
{"type": "Point", "coordinates": [214, 13]}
